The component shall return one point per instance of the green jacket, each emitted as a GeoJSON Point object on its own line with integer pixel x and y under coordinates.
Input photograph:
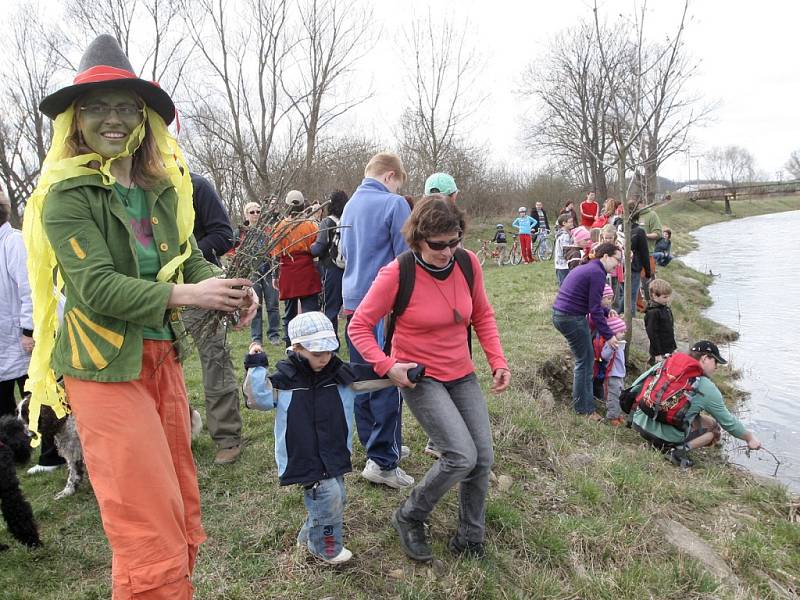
{"type": "Point", "coordinates": [650, 222]}
{"type": "Point", "coordinates": [107, 304]}
{"type": "Point", "coordinates": [705, 398]}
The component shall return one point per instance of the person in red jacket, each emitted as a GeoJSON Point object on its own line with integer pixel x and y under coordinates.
{"type": "Point", "coordinates": [299, 282]}
{"type": "Point", "coordinates": [447, 402]}
{"type": "Point", "coordinates": [589, 210]}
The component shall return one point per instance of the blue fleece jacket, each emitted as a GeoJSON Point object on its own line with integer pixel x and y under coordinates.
{"type": "Point", "coordinates": [370, 237]}
{"type": "Point", "coordinates": [525, 224]}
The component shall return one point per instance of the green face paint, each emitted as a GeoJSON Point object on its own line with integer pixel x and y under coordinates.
{"type": "Point", "coordinates": [106, 119]}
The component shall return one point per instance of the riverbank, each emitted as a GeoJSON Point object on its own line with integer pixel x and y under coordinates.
{"type": "Point", "coordinates": [579, 510]}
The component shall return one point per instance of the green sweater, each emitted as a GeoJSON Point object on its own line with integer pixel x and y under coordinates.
{"type": "Point", "coordinates": [706, 397]}
{"type": "Point", "coordinates": [108, 305]}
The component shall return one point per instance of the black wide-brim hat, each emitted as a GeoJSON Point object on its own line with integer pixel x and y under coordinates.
{"type": "Point", "coordinates": [105, 66]}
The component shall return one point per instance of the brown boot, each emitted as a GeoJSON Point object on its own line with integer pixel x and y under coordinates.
{"type": "Point", "coordinates": [227, 456]}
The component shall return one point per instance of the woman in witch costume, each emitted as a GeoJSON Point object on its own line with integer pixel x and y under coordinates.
{"type": "Point", "coordinates": [113, 213]}
{"type": "Point", "coordinates": [446, 299]}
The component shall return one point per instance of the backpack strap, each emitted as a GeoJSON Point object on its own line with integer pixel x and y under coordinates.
{"type": "Point", "coordinates": [465, 264]}
{"type": "Point", "coordinates": [408, 273]}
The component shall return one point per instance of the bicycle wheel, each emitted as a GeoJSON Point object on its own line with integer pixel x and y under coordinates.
{"type": "Point", "coordinates": [481, 256]}
{"type": "Point", "coordinates": [516, 256]}
{"type": "Point", "coordinates": [545, 250]}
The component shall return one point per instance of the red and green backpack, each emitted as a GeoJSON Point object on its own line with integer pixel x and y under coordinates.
{"type": "Point", "coordinates": [665, 392]}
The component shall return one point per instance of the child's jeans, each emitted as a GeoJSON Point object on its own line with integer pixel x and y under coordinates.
{"type": "Point", "coordinates": [613, 410]}
{"type": "Point", "coordinates": [322, 531]}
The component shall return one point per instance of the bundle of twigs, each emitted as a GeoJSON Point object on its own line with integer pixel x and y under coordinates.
{"type": "Point", "coordinates": [253, 258]}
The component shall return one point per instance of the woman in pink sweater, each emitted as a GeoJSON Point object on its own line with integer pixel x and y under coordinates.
{"type": "Point", "coordinates": [447, 402]}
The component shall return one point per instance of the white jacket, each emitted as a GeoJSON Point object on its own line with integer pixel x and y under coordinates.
{"type": "Point", "coordinates": [16, 310]}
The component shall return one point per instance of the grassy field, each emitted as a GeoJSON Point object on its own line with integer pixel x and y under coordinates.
{"type": "Point", "coordinates": [582, 518]}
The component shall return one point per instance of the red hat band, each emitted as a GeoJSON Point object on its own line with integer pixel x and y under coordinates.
{"type": "Point", "coordinates": [105, 73]}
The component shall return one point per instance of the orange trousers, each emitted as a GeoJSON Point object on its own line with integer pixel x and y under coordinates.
{"type": "Point", "coordinates": [136, 441]}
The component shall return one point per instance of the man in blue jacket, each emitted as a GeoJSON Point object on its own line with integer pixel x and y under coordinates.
{"type": "Point", "coordinates": [371, 238]}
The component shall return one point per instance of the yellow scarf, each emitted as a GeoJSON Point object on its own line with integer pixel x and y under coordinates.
{"type": "Point", "coordinates": [57, 167]}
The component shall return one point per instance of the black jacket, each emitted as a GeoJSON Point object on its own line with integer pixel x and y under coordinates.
{"type": "Point", "coordinates": [312, 431]}
{"type": "Point", "coordinates": [212, 227]}
{"type": "Point", "coordinates": [641, 255]}
{"type": "Point", "coordinates": [541, 218]}
{"type": "Point", "coordinates": [660, 328]}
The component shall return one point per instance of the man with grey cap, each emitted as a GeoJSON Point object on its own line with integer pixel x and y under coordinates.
{"type": "Point", "coordinates": [699, 429]}
{"type": "Point", "coordinates": [441, 183]}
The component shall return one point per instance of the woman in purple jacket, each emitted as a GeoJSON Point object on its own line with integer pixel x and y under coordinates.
{"type": "Point", "coordinates": [580, 295]}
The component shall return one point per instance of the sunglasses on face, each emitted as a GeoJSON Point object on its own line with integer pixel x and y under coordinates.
{"type": "Point", "coordinates": [442, 245]}
{"type": "Point", "coordinates": [254, 212]}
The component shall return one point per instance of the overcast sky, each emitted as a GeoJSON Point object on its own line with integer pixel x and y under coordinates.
{"type": "Point", "coordinates": [746, 51]}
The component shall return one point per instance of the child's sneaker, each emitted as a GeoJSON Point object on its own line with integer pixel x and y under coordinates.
{"type": "Point", "coordinates": [340, 558]}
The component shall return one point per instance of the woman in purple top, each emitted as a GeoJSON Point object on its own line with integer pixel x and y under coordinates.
{"type": "Point", "coordinates": [580, 295]}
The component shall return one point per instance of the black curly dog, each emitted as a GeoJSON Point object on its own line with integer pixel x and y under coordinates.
{"type": "Point", "coordinates": [15, 449]}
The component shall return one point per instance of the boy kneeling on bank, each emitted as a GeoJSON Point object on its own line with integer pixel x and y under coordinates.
{"type": "Point", "coordinates": [671, 397]}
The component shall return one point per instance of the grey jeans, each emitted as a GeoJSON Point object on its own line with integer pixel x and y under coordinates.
{"type": "Point", "coordinates": [455, 417]}
{"type": "Point", "coordinates": [219, 382]}
{"type": "Point", "coordinates": [615, 385]}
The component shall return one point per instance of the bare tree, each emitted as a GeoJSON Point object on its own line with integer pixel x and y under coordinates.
{"type": "Point", "coordinates": [732, 164]}
{"type": "Point", "coordinates": [29, 68]}
{"type": "Point", "coordinates": [244, 50]}
{"type": "Point", "coordinates": [675, 111]}
{"type": "Point", "coordinates": [793, 164]}
{"type": "Point", "coordinates": [573, 101]}
{"type": "Point", "coordinates": [632, 110]}
{"type": "Point", "coordinates": [335, 36]}
{"type": "Point", "coordinates": [150, 32]}
{"type": "Point", "coordinates": [114, 17]}
{"type": "Point", "coordinates": [442, 72]}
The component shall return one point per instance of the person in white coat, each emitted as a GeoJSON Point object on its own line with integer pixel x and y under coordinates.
{"type": "Point", "coordinates": [16, 328]}
{"type": "Point", "coordinates": [16, 319]}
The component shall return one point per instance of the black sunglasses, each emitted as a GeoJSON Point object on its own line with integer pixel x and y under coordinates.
{"type": "Point", "coordinates": [442, 245]}
{"type": "Point", "coordinates": [254, 212]}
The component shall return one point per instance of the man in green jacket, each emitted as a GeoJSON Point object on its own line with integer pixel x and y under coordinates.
{"type": "Point", "coordinates": [701, 429]}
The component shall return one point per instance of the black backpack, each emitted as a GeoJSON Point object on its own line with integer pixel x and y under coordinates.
{"type": "Point", "coordinates": [407, 279]}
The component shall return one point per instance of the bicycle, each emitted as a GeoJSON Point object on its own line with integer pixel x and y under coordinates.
{"type": "Point", "coordinates": [514, 256]}
{"type": "Point", "coordinates": [493, 253]}
{"type": "Point", "coordinates": [542, 247]}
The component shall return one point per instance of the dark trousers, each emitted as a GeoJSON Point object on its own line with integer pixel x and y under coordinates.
{"type": "Point", "coordinates": [8, 406]}
{"type": "Point", "coordinates": [8, 402]}
{"type": "Point", "coordinates": [266, 295]}
{"type": "Point", "coordinates": [306, 303]}
{"type": "Point", "coordinates": [378, 415]}
{"type": "Point", "coordinates": [332, 294]}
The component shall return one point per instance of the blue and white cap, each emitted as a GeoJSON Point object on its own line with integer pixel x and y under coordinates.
{"type": "Point", "coordinates": [314, 331]}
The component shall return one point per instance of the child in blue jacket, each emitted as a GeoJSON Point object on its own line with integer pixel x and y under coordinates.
{"type": "Point", "coordinates": [311, 391]}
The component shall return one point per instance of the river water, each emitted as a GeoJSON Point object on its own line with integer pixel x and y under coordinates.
{"type": "Point", "coordinates": [756, 292]}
